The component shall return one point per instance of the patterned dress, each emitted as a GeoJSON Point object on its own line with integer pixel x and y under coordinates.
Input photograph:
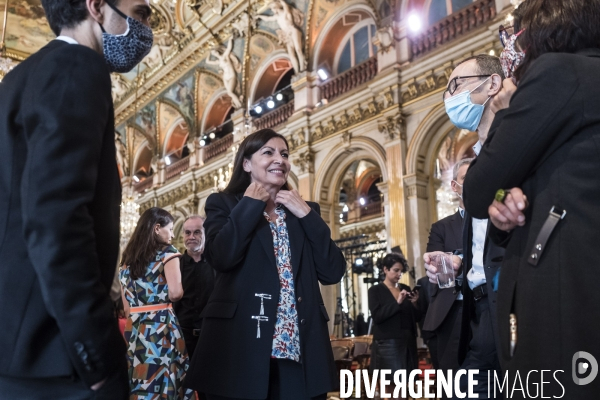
{"type": "Point", "coordinates": [156, 354]}
{"type": "Point", "coordinates": [286, 338]}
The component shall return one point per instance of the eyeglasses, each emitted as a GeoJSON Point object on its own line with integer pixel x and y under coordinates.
{"type": "Point", "coordinates": [505, 33]}
{"type": "Point", "coordinates": [453, 84]}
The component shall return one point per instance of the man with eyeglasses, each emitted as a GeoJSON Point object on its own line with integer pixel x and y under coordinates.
{"type": "Point", "coordinates": [471, 86]}
{"type": "Point", "coordinates": [198, 280]}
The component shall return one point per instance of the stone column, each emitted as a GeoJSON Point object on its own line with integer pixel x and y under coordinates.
{"type": "Point", "coordinates": [306, 91]}
{"type": "Point", "coordinates": [418, 221]}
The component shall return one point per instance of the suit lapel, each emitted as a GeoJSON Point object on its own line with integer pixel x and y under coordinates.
{"type": "Point", "coordinates": [296, 236]}
{"type": "Point", "coordinates": [457, 228]}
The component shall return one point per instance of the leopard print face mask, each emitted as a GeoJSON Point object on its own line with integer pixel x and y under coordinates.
{"type": "Point", "coordinates": [123, 52]}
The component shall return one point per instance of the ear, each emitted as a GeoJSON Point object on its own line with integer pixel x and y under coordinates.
{"type": "Point", "coordinates": [246, 165]}
{"type": "Point", "coordinates": [496, 85]}
{"type": "Point", "coordinates": [156, 228]}
{"type": "Point", "coordinates": [96, 10]}
{"type": "Point", "coordinates": [453, 186]}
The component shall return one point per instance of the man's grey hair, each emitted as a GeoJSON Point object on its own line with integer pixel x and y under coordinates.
{"type": "Point", "coordinates": [486, 64]}
{"type": "Point", "coordinates": [203, 240]}
{"type": "Point", "coordinates": [459, 164]}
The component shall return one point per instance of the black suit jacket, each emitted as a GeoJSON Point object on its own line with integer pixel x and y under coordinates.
{"type": "Point", "coordinates": [446, 236]}
{"type": "Point", "coordinates": [59, 217]}
{"type": "Point", "coordinates": [389, 317]}
{"type": "Point", "coordinates": [547, 143]}
{"type": "Point", "coordinates": [492, 260]}
{"type": "Point", "coordinates": [230, 360]}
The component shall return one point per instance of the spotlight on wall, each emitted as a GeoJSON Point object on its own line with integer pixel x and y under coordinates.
{"type": "Point", "coordinates": [135, 178]}
{"type": "Point", "coordinates": [203, 142]}
{"type": "Point", "coordinates": [492, 52]}
{"type": "Point", "coordinates": [414, 23]}
{"type": "Point", "coordinates": [363, 265]}
{"type": "Point", "coordinates": [258, 109]}
{"type": "Point", "coordinates": [279, 96]}
{"type": "Point", "coordinates": [362, 201]}
{"type": "Point", "coordinates": [167, 160]}
{"type": "Point", "coordinates": [211, 135]}
{"type": "Point", "coordinates": [323, 74]}
{"type": "Point", "coordinates": [271, 103]}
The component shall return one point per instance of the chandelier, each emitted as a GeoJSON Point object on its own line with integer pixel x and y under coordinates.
{"type": "Point", "coordinates": [6, 64]}
{"type": "Point", "coordinates": [130, 213]}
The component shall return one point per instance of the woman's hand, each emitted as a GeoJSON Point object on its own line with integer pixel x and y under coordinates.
{"type": "Point", "coordinates": [402, 296]}
{"type": "Point", "coordinates": [502, 99]}
{"type": "Point", "coordinates": [414, 296]}
{"type": "Point", "coordinates": [292, 201]}
{"type": "Point", "coordinates": [257, 192]}
{"type": "Point", "coordinates": [509, 214]}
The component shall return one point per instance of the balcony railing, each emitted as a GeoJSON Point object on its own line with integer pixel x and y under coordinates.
{"type": "Point", "coordinates": [371, 209]}
{"type": "Point", "coordinates": [275, 117]}
{"type": "Point", "coordinates": [177, 168]}
{"type": "Point", "coordinates": [217, 147]}
{"type": "Point", "coordinates": [140, 187]}
{"type": "Point", "coordinates": [350, 79]}
{"type": "Point", "coordinates": [453, 26]}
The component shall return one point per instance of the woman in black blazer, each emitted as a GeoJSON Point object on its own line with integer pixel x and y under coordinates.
{"type": "Point", "coordinates": [395, 314]}
{"type": "Point", "coordinates": [546, 145]}
{"type": "Point", "coordinates": [264, 332]}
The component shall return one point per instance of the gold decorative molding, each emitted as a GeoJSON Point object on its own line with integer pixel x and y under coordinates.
{"type": "Point", "coordinates": [305, 161]}
{"type": "Point", "coordinates": [393, 127]}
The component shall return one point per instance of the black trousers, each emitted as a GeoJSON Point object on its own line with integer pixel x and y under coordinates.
{"type": "Point", "coordinates": [448, 337]}
{"type": "Point", "coordinates": [482, 352]}
{"type": "Point", "coordinates": [190, 340]}
{"type": "Point", "coordinates": [286, 382]}
{"type": "Point", "coordinates": [116, 387]}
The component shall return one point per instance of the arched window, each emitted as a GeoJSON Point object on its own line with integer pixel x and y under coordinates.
{"type": "Point", "coordinates": [358, 46]}
{"type": "Point", "coordinates": [439, 9]}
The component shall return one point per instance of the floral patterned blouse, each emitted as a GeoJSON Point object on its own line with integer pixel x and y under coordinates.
{"type": "Point", "coordinates": [286, 338]}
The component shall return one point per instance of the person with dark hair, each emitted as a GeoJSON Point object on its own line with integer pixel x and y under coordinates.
{"type": "Point", "coordinates": [59, 204]}
{"type": "Point", "coordinates": [264, 330]}
{"type": "Point", "coordinates": [151, 282]}
{"type": "Point", "coordinates": [473, 83]}
{"type": "Point", "coordinates": [394, 310]}
{"type": "Point", "coordinates": [537, 179]}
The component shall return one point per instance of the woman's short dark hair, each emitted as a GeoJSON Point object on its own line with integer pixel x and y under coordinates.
{"type": "Point", "coordinates": [557, 26]}
{"type": "Point", "coordinates": [392, 259]}
{"type": "Point", "coordinates": [144, 243]}
{"type": "Point", "coordinates": [66, 13]}
{"type": "Point", "coordinates": [240, 179]}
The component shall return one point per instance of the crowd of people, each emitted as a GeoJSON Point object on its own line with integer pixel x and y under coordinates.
{"type": "Point", "coordinates": [240, 315]}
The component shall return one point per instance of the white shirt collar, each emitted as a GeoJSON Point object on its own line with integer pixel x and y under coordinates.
{"type": "Point", "coordinates": [477, 148]}
{"type": "Point", "coordinates": [67, 39]}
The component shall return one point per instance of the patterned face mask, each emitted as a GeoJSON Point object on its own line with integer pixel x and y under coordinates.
{"type": "Point", "coordinates": [123, 52]}
{"type": "Point", "coordinates": [511, 58]}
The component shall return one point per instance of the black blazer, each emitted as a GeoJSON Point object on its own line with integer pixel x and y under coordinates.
{"type": "Point", "coordinates": [446, 236]}
{"type": "Point", "coordinates": [492, 260]}
{"type": "Point", "coordinates": [230, 360]}
{"type": "Point", "coordinates": [59, 217]}
{"type": "Point", "coordinates": [547, 143]}
{"type": "Point", "coordinates": [389, 317]}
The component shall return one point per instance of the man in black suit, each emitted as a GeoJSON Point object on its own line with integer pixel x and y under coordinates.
{"type": "Point", "coordinates": [481, 76]}
{"type": "Point", "coordinates": [198, 280]}
{"type": "Point", "coordinates": [443, 316]}
{"type": "Point", "coordinates": [59, 209]}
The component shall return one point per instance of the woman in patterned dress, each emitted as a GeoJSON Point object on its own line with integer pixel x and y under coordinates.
{"type": "Point", "coordinates": [264, 330]}
{"type": "Point", "coordinates": [150, 282]}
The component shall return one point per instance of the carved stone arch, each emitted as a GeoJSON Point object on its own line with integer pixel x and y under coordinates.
{"type": "Point", "coordinates": [331, 171]}
{"type": "Point", "coordinates": [172, 126]}
{"type": "Point", "coordinates": [207, 83]}
{"type": "Point", "coordinates": [430, 132]}
{"type": "Point", "coordinates": [263, 67]}
{"type": "Point", "coordinates": [293, 181]}
{"type": "Point", "coordinates": [355, 6]}
{"type": "Point", "coordinates": [219, 96]}
{"type": "Point", "coordinates": [142, 159]}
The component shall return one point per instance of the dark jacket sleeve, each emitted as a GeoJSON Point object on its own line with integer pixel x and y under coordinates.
{"type": "Point", "coordinates": [329, 261]}
{"type": "Point", "coordinates": [229, 231]}
{"type": "Point", "coordinates": [436, 238]}
{"type": "Point", "coordinates": [381, 310]}
{"type": "Point", "coordinates": [67, 113]}
{"type": "Point", "coordinates": [536, 122]}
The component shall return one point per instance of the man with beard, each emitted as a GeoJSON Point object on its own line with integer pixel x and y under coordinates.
{"type": "Point", "coordinates": [198, 279]}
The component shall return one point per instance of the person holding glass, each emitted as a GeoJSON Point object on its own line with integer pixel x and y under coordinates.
{"type": "Point", "coordinates": [264, 331]}
{"type": "Point", "coordinates": [394, 310]}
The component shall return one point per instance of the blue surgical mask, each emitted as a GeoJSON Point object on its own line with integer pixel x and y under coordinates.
{"type": "Point", "coordinates": [462, 112]}
{"type": "Point", "coordinates": [123, 52]}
